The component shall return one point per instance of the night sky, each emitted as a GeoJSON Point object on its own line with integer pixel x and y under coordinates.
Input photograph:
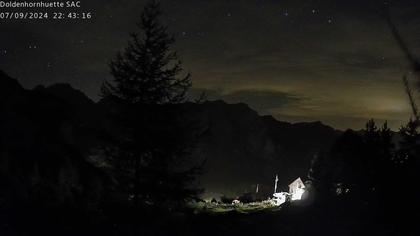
{"type": "Point", "coordinates": [334, 61]}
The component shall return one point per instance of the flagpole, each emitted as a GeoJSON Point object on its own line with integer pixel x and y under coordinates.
{"type": "Point", "coordinates": [275, 184]}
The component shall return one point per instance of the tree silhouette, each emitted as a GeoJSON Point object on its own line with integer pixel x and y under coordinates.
{"type": "Point", "coordinates": [358, 161]}
{"type": "Point", "coordinates": [406, 163]}
{"type": "Point", "coordinates": [154, 135]}
{"type": "Point", "coordinates": [320, 176]}
{"type": "Point", "coordinates": [411, 97]}
{"type": "Point", "coordinates": [409, 150]}
{"type": "Point", "coordinates": [147, 71]}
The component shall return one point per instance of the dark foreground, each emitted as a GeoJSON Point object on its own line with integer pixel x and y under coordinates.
{"type": "Point", "coordinates": [295, 219]}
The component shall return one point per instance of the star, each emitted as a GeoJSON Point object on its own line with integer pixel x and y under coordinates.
{"type": "Point", "coordinates": [286, 13]}
{"type": "Point", "coordinates": [313, 11]}
{"type": "Point", "coordinates": [330, 20]}
{"type": "Point", "coordinates": [229, 14]}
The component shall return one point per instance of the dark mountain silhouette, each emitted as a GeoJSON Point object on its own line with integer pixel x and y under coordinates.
{"type": "Point", "coordinates": [84, 109]}
{"type": "Point", "coordinates": [240, 147]}
{"type": "Point", "coordinates": [42, 155]}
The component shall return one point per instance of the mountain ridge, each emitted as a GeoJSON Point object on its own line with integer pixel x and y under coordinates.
{"type": "Point", "coordinates": [241, 148]}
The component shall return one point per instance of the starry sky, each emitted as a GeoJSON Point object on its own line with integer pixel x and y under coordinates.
{"type": "Point", "coordinates": [298, 60]}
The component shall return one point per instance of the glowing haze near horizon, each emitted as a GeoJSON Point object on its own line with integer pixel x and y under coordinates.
{"type": "Point", "coordinates": [333, 61]}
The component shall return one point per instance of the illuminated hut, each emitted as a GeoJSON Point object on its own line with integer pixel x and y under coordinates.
{"type": "Point", "coordinates": [296, 189]}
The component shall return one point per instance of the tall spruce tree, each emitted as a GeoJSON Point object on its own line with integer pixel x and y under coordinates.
{"type": "Point", "coordinates": [154, 137]}
{"type": "Point", "coordinates": [148, 71]}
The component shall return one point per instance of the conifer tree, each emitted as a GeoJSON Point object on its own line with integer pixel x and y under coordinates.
{"type": "Point", "coordinates": [154, 137]}
{"type": "Point", "coordinates": [148, 71]}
